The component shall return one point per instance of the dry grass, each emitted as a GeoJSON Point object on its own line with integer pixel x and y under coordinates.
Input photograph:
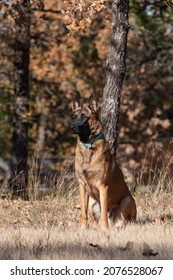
{"type": "Point", "coordinates": [50, 229]}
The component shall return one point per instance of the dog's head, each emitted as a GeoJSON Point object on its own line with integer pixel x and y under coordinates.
{"type": "Point", "coordinates": [86, 121]}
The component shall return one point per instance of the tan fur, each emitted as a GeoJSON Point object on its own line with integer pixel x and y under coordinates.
{"type": "Point", "coordinates": [103, 191]}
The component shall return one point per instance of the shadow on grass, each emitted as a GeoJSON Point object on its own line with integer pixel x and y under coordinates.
{"type": "Point", "coordinates": [79, 251]}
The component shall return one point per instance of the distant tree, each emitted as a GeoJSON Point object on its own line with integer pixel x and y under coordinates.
{"type": "Point", "coordinates": [115, 71]}
{"type": "Point", "coordinates": [21, 100]}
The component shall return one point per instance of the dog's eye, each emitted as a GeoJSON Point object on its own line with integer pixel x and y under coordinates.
{"type": "Point", "coordinates": [74, 116]}
{"type": "Point", "coordinates": [83, 116]}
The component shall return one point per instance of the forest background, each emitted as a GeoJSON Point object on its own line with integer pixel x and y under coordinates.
{"type": "Point", "coordinates": [69, 44]}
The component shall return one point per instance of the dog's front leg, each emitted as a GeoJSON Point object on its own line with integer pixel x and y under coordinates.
{"type": "Point", "coordinates": [103, 190]}
{"type": "Point", "coordinates": [84, 198]}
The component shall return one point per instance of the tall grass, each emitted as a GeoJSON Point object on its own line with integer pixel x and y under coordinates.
{"type": "Point", "coordinates": [48, 182]}
{"type": "Point", "coordinates": [155, 175]}
{"type": "Point", "coordinates": [156, 172]}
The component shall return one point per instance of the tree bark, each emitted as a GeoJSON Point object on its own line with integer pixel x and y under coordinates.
{"type": "Point", "coordinates": [19, 178]}
{"type": "Point", "coordinates": [115, 72]}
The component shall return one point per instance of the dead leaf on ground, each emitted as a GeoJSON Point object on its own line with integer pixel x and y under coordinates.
{"type": "Point", "coordinates": [77, 206]}
{"type": "Point", "coordinates": [128, 246]}
{"type": "Point", "coordinates": [148, 251]}
{"type": "Point", "coordinates": [96, 246]}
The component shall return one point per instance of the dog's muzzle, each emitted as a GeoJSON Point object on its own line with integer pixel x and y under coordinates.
{"type": "Point", "coordinates": [79, 126]}
{"type": "Point", "coordinates": [75, 128]}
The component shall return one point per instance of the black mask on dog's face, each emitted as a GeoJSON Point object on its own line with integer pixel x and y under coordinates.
{"type": "Point", "coordinates": [80, 125]}
{"type": "Point", "coordinates": [85, 119]}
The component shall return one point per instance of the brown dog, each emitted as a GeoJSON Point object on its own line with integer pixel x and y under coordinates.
{"type": "Point", "coordinates": [102, 187]}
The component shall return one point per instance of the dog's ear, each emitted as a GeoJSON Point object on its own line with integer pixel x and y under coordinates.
{"type": "Point", "coordinates": [93, 103]}
{"type": "Point", "coordinates": [76, 104]}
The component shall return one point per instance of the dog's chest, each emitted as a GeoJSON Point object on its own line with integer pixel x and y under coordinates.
{"type": "Point", "coordinates": [89, 170]}
{"type": "Point", "coordinates": [90, 180]}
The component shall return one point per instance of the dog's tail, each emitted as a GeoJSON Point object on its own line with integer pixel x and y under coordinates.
{"type": "Point", "coordinates": [119, 215]}
{"type": "Point", "coordinates": [96, 210]}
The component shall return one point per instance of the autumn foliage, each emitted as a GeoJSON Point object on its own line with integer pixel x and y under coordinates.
{"type": "Point", "coordinates": [69, 45]}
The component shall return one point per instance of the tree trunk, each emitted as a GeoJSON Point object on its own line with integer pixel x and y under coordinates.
{"type": "Point", "coordinates": [115, 71]}
{"type": "Point", "coordinates": [44, 113]}
{"type": "Point", "coordinates": [21, 102]}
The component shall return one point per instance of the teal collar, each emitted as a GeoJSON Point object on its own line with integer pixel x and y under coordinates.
{"type": "Point", "coordinates": [90, 144]}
